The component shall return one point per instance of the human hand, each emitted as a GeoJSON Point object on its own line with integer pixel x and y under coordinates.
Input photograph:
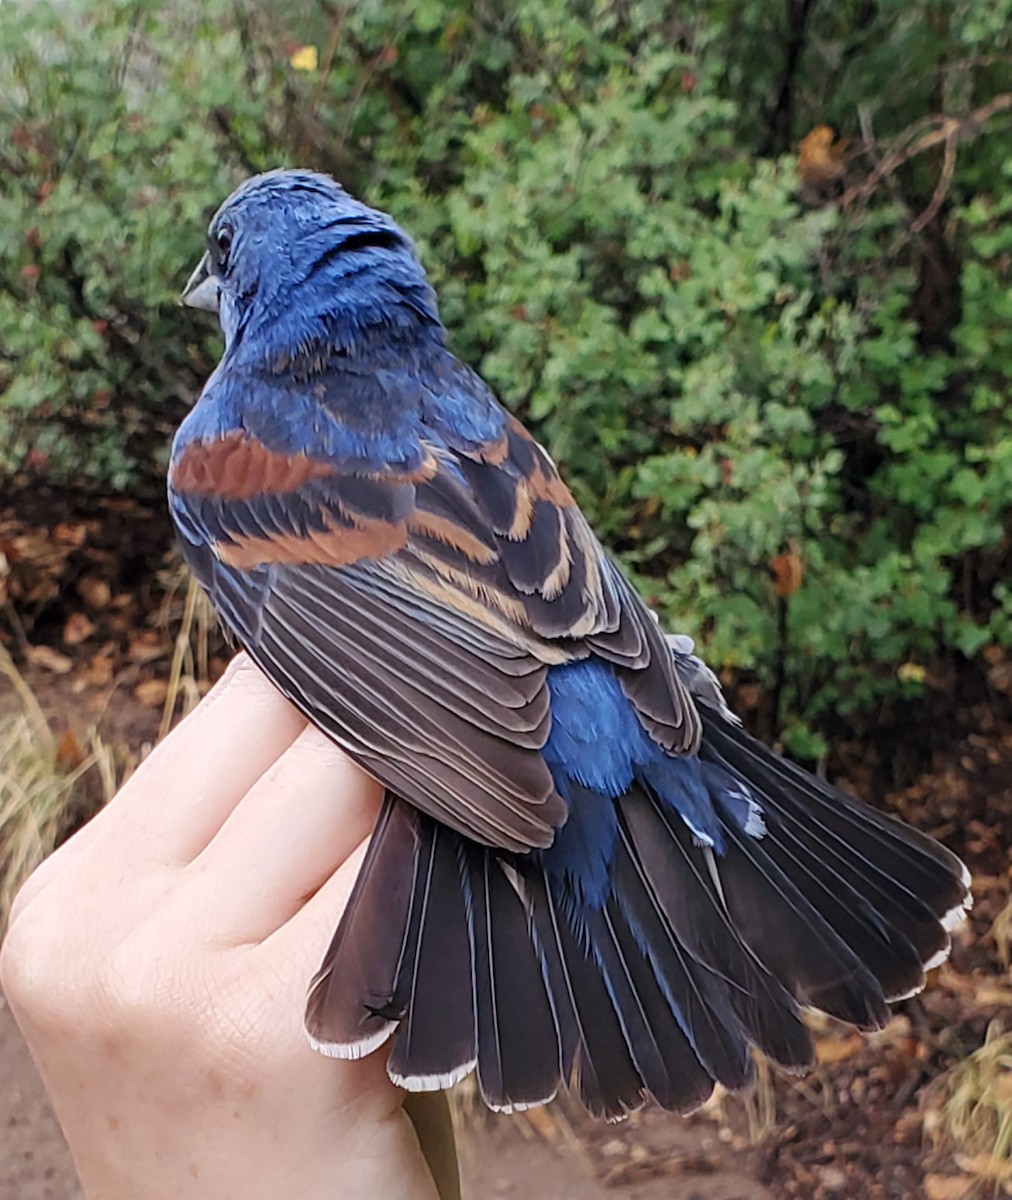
{"type": "Point", "coordinates": [157, 965]}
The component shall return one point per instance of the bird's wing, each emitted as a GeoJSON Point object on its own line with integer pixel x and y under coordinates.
{"type": "Point", "coordinates": [412, 610]}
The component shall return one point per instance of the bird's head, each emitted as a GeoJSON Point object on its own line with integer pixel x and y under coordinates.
{"type": "Point", "coordinates": [291, 255]}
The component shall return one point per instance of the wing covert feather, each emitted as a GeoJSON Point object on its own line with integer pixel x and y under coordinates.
{"type": "Point", "coordinates": [412, 609]}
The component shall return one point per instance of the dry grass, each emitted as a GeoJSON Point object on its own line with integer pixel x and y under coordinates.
{"type": "Point", "coordinates": [189, 673]}
{"type": "Point", "coordinates": [41, 784]}
{"type": "Point", "coordinates": [969, 1114]}
{"type": "Point", "coordinates": [1001, 932]}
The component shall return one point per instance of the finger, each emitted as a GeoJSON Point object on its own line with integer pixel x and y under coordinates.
{"type": "Point", "coordinates": [179, 797]}
{"type": "Point", "coordinates": [182, 794]}
{"type": "Point", "coordinates": [303, 940]}
{"type": "Point", "coordinates": [298, 824]}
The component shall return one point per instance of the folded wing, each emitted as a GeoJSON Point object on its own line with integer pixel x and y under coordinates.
{"type": "Point", "coordinates": [411, 606]}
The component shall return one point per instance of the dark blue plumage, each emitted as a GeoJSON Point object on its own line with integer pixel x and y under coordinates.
{"type": "Point", "coordinates": [583, 871]}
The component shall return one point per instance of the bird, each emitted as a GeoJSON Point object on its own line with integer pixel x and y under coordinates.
{"type": "Point", "coordinates": [584, 873]}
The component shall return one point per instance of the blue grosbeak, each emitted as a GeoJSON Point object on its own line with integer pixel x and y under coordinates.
{"type": "Point", "coordinates": [583, 871]}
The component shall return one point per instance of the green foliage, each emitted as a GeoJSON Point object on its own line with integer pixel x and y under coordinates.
{"type": "Point", "coordinates": [110, 166]}
{"type": "Point", "coordinates": [786, 414]}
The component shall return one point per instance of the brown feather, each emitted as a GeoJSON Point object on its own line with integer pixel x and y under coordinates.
{"type": "Point", "coordinates": [451, 534]}
{"type": "Point", "coordinates": [238, 467]}
{"type": "Point", "coordinates": [336, 546]}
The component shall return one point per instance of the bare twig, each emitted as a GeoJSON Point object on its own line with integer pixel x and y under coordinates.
{"type": "Point", "coordinates": [870, 148]}
{"type": "Point", "coordinates": [941, 131]}
{"type": "Point", "coordinates": [943, 185]}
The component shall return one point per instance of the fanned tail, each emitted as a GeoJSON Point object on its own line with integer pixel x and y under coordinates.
{"type": "Point", "coordinates": [642, 955]}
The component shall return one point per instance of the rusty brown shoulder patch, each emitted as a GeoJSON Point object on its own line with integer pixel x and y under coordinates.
{"type": "Point", "coordinates": [238, 467]}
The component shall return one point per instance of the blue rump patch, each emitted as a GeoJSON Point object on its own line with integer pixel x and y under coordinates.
{"type": "Point", "coordinates": [596, 749]}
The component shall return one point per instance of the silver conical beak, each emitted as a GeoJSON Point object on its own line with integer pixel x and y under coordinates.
{"type": "Point", "coordinates": [201, 289]}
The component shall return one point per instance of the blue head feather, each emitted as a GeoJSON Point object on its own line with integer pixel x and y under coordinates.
{"type": "Point", "coordinates": [354, 271]}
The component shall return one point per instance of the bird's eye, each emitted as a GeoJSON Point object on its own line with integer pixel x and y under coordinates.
{"type": "Point", "coordinates": [223, 241]}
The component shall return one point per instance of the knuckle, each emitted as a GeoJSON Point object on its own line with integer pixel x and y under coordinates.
{"type": "Point", "coordinates": [30, 974]}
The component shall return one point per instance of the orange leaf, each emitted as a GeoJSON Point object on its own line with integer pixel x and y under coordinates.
{"type": "Point", "coordinates": [820, 156]}
{"type": "Point", "coordinates": [834, 1049]}
{"type": "Point", "coordinates": [788, 573]}
{"type": "Point", "coordinates": [69, 751]}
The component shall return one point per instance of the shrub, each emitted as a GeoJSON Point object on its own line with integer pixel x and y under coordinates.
{"type": "Point", "coordinates": [777, 385]}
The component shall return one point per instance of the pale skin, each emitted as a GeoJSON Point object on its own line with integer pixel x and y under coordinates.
{"type": "Point", "coordinates": [157, 965]}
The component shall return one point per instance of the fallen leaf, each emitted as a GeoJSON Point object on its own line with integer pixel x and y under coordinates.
{"type": "Point", "coordinates": [69, 751]}
{"type": "Point", "coordinates": [834, 1049]}
{"type": "Point", "coordinates": [96, 593]}
{"type": "Point", "coordinates": [1000, 677]}
{"type": "Point", "coordinates": [49, 659]}
{"type": "Point", "coordinates": [78, 629]}
{"type": "Point", "coordinates": [987, 1166]}
{"type": "Point", "coordinates": [152, 692]}
{"type": "Point", "coordinates": [72, 535]}
{"type": "Point", "coordinates": [989, 993]}
{"type": "Point", "coordinates": [100, 668]}
{"type": "Point", "coordinates": [145, 646]}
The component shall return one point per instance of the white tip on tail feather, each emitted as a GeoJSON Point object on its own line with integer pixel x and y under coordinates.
{"type": "Point", "coordinates": [950, 921]}
{"type": "Point", "coordinates": [896, 997]}
{"type": "Point", "coordinates": [352, 1050]}
{"type": "Point", "coordinates": [432, 1083]}
{"type": "Point", "coordinates": [939, 956]}
{"type": "Point", "coordinates": [956, 916]}
{"type": "Point", "coordinates": [522, 1105]}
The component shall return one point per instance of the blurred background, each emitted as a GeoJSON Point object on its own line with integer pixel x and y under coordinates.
{"type": "Point", "coordinates": [744, 267]}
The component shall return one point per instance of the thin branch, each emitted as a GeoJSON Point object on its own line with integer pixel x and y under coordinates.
{"type": "Point", "coordinates": [779, 120]}
{"type": "Point", "coordinates": [943, 185]}
{"type": "Point", "coordinates": [956, 129]}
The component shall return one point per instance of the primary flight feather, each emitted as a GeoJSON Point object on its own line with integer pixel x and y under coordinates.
{"type": "Point", "coordinates": [584, 871]}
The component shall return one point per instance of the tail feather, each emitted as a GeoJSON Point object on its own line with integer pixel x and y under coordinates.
{"type": "Point", "coordinates": [873, 920]}
{"type": "Point", "coordinates": [844, 901]}
{"type": "Point", "coordinates": [662, 1054]}
{"type": "Point", "coordinates": [793, 939]}
{"type": "Point", "coordinates": [893, 887]}
{"type": "Point", "coordinates": [595, 1055]}
{"type": "Point", "coordinates": [647, 955]}
{"type": "Point", "coordinates": [750, 1003]}
{"type": "Point", "coordinates": [353, 1005]}
{"type": "Point", "coordinates": [696, 996]}
{"type": "Point", "coordinates": [900, 854]}
{"type": "Point", "coordinates": [436, 1043]}
{"type": "Point", "coordinates": [519, 1062]}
